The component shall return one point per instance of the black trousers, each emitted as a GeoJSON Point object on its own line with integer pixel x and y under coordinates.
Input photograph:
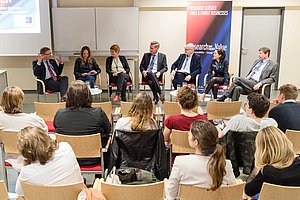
{"type": "Point", "coordinates": [60, 85]}
{"type": "Point", "coordinates": [153, 83]}
{"type": "Point", "coordinates": [121, 81]}
{"type": "Point", "coordinates": [211, 85]}
{"type": "Point", "coordinates": [240, 86]}
{"type": "Point", "coordinates": [179, 79]}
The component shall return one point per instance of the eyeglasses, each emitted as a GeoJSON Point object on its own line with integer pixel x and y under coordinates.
{"type": "Point", "coordinates": [187, 49]}
{"type": "Point", "coordinates": [47, 54]}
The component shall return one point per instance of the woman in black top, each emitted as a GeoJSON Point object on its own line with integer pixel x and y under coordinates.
{"type": "Point", "coordinates": [118, 70]}
{"type": "Point", "coordinates": [217, 73]}
{"type": "Point", "coordinates": [86, 67]}
{"type": "Point", "coordinates": [275, 161]}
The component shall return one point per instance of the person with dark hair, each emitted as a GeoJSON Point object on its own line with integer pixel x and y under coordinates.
{"type": "Point", "coordinates": [118, 70]}
{"type": "Point", "coordinates": [45, 161]}
{"type": "Point", "coordinates": [79, 118]}
{"type": "Point", "coordinates": [49, 71]}
{"type": "Point", "coordinates": [188, 101]}
{"type": "Point", "coordinates": [206, 168]}
{"type": "Point", "coordinates": [152, 67]}
{"type": "Point", "coordinates": [256, 107]}
{"type": "Point", "coordinates": [86, 67]}
{"type": "Point", "coordinates": [263, 71]}
{"type": "Point", "coordinates": [287, 112]}
{"type": "Point", "coordinates": [217, 73]}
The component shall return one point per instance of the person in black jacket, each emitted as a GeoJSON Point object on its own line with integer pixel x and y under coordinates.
{"type": "Point", "coordinates": [217, 73]}
{"type": "Point", "coordinates": [49, 71]}
{"type": "Point", "coordinates": [275, 161]}
{"type": "Point", "coordinates": [118, 69]}
{"type": "Point", "coordinates": [79, 118]}
{"type": "Point", "coordinates": [86, 67]}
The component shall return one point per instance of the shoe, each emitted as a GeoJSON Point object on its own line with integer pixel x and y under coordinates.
{"type": "Point", "coordinates": [162, 98]}
{"type": "Point", "coordinates": [156, 100]}
{"type": "Point", "coordinates": [63, 99]}
{"type": "Point", "coordinates": [222, 98]}
{"type": "Point", "coordinates": [116, 99]}
{"type": "Point", "coordinates": [123, 99]}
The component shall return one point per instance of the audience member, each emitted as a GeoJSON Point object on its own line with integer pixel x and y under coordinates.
{"type": "Point", "coordinates": [152, 67]}
{"type": "Point", "coordinates": [118, 70]}
{"type": "Point", "coordinates": [139, 116]}
{"type": "Point", "coordinates": [217, 73]}
{"type": "Point", "coordinates": [186, 67]}
{"type": "Point", "coordinates": [287, 112]}
{"type": "Point", "coordinates": [46, 162]}
{"type": "Point", "coordinates": [187, 100]}
{"type": "Point", "coordinates": [275, 161]}
{"type": "Point", "coordinates": [79, 118]}
{"type": "Point", "coordinates": [86, 67]}
{"type": "Point", "coordinates": [12, 119]}
{"type": "Point", "coordinates": [207, 167]}
{"type": "Point", "coordinates": [263, 71]}
{"type": "Point", "coordinates": [47, 70]}
{"type": "Point", "coordinates": [256, 107]}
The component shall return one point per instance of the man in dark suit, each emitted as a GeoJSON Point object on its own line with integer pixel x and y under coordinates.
{"type": "Point", "coordinates": [262, 72]}
{"type": "Point", "coordinates": [152, 67]}
{"type": "Point", "coordinates": [47, 70]}
{"type": "Point", "coordinates": [287, 112]}
{"type": "Point", "coordinates": [186, 67]}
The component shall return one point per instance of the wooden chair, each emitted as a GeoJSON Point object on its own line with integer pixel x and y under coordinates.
{"type": "Point", "coordinates": [231, 192]}
{"type": "Point", "coordinates": [220, 110]}
{"type": "Point", "coordinates": [278, 192]}
{"type": "Point", "coordinates": [38, 192]}
{"type": "Point", "coordinates": [294, 137]}
{"type": "Point", "coordinates": [125, 107]}
{"type": "Point", "coordinates": [152, 191]}
{"type": "Point", "coordinates": [272, 105]}
{"type": "Point", "coordinates": [114, 85]}
{"type": "Point", "coordinates": [106, 107]}
{"type": "Point", "coordinates": [180, 143]}
{"type": "Point", "coordinates": [86, 146]}
{"type": "Point", "coordinates": [41, 90]}
{"type": "Point", "coordinates": [171, 108]}
{"type": "Point", "coordinates": [3, 190]}
{"type": "Point", "coordinates": [8, 144]}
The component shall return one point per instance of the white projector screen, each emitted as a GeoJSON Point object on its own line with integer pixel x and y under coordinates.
{"type": "Point", "coordinates": [24, 27]}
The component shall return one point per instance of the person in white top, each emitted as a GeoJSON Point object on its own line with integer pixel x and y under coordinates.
{"type": "Point", "coordinates": [257, 107]}
{"type": "Point", "coordinates": [12, 119]}
{"type": "Point", "coordinates": [46, 162]}
{"type": "Point", "coordinates": [206, 168]}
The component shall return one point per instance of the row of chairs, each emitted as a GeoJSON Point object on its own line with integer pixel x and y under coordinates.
{"type": "Point", "coordinates": [153, 191]}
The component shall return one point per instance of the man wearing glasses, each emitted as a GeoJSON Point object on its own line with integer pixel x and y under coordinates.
{"type": "Point", "coordinates": [49, 71]}
{"type": "Point", "coordinates": [186, 67]}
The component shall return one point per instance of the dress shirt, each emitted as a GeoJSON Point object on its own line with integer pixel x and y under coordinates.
{"type": "Point", "coordinates": [186, 65]}
{"type": "Point", "coordinates": [256, 71]}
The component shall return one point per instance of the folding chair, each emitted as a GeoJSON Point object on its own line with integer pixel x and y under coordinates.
{"type": "Point", "coordinates": [278, 192]}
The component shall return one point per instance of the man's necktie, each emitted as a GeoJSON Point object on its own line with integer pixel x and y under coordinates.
{"type": "Point", "coordinates": [255, 69]}
{"type": "Point", "coordinates": [150, 67]}
{"type": "Point", "coordinates": [51, 71]}
{"type": "Point", "coordinates": [185, 62]}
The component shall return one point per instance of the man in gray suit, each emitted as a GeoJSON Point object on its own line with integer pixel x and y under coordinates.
{"type": "Point", "coordinates": [262, 72]}
{"type": "Point", "coordinates": [152, 67]}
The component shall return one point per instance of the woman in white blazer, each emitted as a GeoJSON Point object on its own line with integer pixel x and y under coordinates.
{"type": "Point", "coordinates": [207, 167]}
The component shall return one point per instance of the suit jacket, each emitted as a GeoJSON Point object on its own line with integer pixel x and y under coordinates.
{"type": "Point", "coordinates": [40, 71]}
{"type": "Point", "coordinates": [268, 74]}
{"type": "Point", "coordinates": [195, 67]}
{"type": "Point", "coordinates": [161, 62]}
{"type": "Point", "coordinates": [286, 115]}
{"type": "Point", "coordinates": [222, 71]}
{"type": "Point", "coordinates": [123, 60]}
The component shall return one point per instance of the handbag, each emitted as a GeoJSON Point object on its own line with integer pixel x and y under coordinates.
{"type": "Point", "coordinates": [112, 177]}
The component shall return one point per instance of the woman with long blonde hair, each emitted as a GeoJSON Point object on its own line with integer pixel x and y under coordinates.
{"type": "Point", "coordinates": [139, 116]}
{"type": "Point", "coordinates": [275, 161]}
{"type": "Point", "coordinates": [206, 168]}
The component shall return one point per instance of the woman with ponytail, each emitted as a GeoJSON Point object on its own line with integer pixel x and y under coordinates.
{"type": "Point", "coordinates": [207, 167]}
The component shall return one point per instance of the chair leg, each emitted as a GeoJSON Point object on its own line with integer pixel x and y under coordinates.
{"type": "Point", "coordinates": [2, 161]}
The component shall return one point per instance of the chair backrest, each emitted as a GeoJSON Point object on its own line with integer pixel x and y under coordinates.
{"type": "Point", "coordinates": [294, 137]}
{"type": "Point", "coordinates": [3, 190]}
{"type": "Point", "coordinates": [190, 192]}
{"type": "Point", "coordinates": [38, 192]}
{"type": "Point", "coordinates": [171, 108]}
{"type": "Point", "coordinates": [9, 139]}
{"type": "Point", "coordinates": [278, 192]}
{"type": "Point", "coordinates": [220, 110]}
{"type": "Point", "coordinates": [272, 105]}
{"type": "Point", "coordinates": [152, 191]}
{"type": "Point", "coordinates": [180, 144]}
{"type": "Point", "coordinates": [47, 111]}
{"type": "Point", "coordinates": [105, 106]}
{"type": "Point", "coordinates": [84, 146]}
{"type": "Point", "coordinates": [125, 107]}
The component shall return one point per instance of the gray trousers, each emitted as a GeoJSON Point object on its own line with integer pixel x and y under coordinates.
{"type": "Point", "coordinates": [240, 86]}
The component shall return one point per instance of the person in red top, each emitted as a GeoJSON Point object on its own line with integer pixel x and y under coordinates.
{"type": "Point", "coordinates": [188, 100]}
